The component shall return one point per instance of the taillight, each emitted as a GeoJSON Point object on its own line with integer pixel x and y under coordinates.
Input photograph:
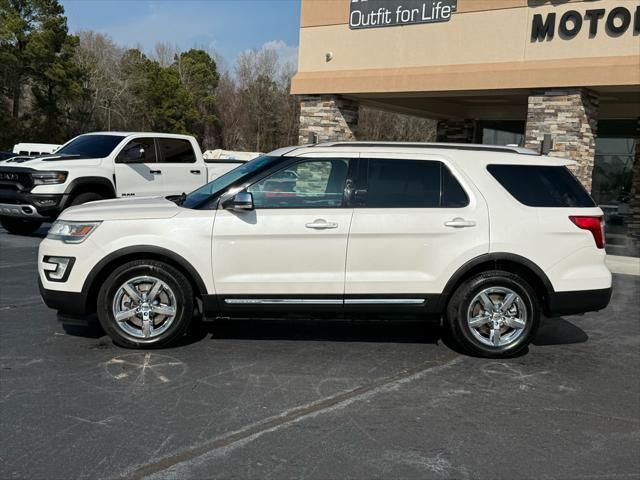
{"type": "Point", "coordinates": [594, 224]}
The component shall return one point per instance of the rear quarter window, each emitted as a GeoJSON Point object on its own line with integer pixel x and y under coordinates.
{"type": "Point", "coordinates": [542, 186]}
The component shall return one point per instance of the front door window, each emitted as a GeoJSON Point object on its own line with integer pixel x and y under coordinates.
{"type": "Point", "coordinates": [308, 184]}
{"type": "Point", "coordinates": [140, 150]}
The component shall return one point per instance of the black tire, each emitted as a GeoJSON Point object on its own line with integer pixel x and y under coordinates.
{"type": "Point", "coordinates": [176, 282]}
{"type": "Point", "coordinates": [461, 301]}
{"type": "Point", "coordinates": [19, 226]}
{"type": "Point", "coordinates": [84, 198]}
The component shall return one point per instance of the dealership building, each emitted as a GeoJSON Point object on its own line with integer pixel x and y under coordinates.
{"type": "Point", "coordinates": [489, 71]}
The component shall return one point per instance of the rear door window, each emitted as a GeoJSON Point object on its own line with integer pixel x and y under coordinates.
{"type": "Point", "coordinates": [412, 184]}
{"type": "Point", "coordinates": [542, 186]}
{"type": "Point", "coordinates": [176, 150]}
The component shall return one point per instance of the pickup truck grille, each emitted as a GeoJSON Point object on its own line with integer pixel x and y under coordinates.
{"type": "Point", "coordinates": [15, 179]}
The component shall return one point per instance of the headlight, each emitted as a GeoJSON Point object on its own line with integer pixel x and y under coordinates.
{"type": "Point", "coordinates": [71, 232]}
{"type": "Point", "coordinates": [48, 178]}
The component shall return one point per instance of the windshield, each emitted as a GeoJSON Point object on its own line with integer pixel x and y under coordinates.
{"type": "Point", "coordinates": [222, 183]}
{"type": "Point", "coordinates": [91, 146]}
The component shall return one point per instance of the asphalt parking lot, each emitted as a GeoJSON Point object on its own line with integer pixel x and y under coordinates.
{"type": "Point", "coordinates": [314, 400]}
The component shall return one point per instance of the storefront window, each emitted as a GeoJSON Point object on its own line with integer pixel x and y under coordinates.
{"type": "Point", "coordinates": [612, 178]}
{"type": "Point", "coordinates": [491, 136]}
{"type": "Point", "coordinates": [501, 132]}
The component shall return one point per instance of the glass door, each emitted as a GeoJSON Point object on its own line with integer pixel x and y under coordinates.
{"type": "Point", "coordinates": [612, 179]}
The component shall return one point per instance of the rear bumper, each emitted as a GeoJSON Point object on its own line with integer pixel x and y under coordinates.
{"type": "Point", "coordinates": [67, 303]}
{"type": "Point", "coordinates": [582, 301]}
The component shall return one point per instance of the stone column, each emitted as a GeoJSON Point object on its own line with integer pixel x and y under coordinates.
{"type": "Point", "coordinates": [456, 131]}
{"type": "Point", "coordinates": [330, 117]}
{"type": "Point", "coordinates": [571, 117]}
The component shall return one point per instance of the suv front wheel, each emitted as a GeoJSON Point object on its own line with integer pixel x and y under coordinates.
{"type": "Point", "coordinates": [145, 304]}
{"type": "Point", "coordinates": [494, 314]}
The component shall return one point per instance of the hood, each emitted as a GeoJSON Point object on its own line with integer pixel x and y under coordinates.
{"type": "Point", "coordinates": [55, 162]}
{"type": "Point", "coordinates": [123, 209]}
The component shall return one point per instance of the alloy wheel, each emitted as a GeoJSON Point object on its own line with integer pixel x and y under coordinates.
{"type": "Point", "coordinates": [497, 317]}
{"type": "Point", "coordinates": [144, 307]}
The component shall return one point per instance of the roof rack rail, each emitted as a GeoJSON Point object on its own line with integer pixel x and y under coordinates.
{"type": "Point", "coordinates": [441, 146]}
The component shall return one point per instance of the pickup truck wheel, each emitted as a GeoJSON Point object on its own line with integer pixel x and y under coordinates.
{"type": "Point", "coordinates": [19, 226]}
{"type": "Point", "coordinates": [145, 304]}
{"type": "Point", "coordinates": [494, 314]}
{"type": "Point", "coordinates": [84, 198]}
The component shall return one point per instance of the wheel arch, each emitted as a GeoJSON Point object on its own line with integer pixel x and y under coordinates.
{"type": "Point", "coordinates": [508, 262]}
{"type": "Point", "coordinates": [100, 185]}
{"type": "Point", "coordinates": [107, 265]}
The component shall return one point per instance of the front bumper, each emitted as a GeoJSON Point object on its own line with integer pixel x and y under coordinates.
{"type": "Point", "coordinates": [576, 302]}
{"type": "Point", "coordinates": [69, 303]}
{"type": "Point", "coordinates": [14, 203]}
{"type": "Point", "coordinates": [25, 211]}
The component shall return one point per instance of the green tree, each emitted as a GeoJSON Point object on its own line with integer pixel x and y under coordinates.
{"type": "Point", "coordinates": [160, 101]}
{"type": "Point", "coordinates": [261, 96]}
{"type": "Point", "coordinates": [133, 67]}
{"type": "Point", "coordinates": [168, 105]}
{"type": "Point", "coordinates": [199, 75]}
{"type": "Point", "coordinates": [36, 56]}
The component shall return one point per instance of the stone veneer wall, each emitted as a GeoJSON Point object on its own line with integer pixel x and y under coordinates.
{"type": "Point", "coordinates": [456, 131]}
{"type": "Point", "coordinates": [571, 117]}
{"type": "Point", "coordinates": [330, 117]}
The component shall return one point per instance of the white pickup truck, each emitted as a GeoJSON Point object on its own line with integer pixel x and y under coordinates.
{"type": "Point", "coordinates": [98, 166]}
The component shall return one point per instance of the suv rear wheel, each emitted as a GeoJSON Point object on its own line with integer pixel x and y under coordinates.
{"type": "Point", "coordinates": [494, 314]}
{"type": "Point", "coordinates": [19, 226]}
{"type": "Point", "coordinates": [145, 304]}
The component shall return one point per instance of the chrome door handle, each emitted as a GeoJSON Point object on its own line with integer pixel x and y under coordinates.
{"type": "Point", "coordinates": [195, 172]}
{"type": "Point", "coordinates": [321, 224]}
{"type": "Point", "coordinates": [460, 223]}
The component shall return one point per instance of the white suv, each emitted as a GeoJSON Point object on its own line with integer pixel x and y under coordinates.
{"type": "Point", "coordinates": [484, 238]}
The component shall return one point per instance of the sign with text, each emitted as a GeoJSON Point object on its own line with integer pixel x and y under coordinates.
{"type": "Point", "coordinates": [389, 13]}
{"type": "Point", "coordinates": [614, 23]}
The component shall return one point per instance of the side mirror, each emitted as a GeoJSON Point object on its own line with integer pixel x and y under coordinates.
{"type": "Point", "coordinates": [242, 201]}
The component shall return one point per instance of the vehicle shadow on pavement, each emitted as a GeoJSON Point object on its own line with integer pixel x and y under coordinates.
{"type": "Point", "coordinates": [294, 330]}
{"type": "Point", "coordinates": [92, 329]}
{"type": "Point", "coordinates": [558, 331]}
{"type": "Point", "coordinates": [553, 331]}
{"type": "Point", "coordinates": [40, 233]}
{"type": "Point", "coordinates": [326, 330]}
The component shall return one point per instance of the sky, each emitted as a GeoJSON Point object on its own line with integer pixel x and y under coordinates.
{"type": "Point", "coordinates": [227, 26]}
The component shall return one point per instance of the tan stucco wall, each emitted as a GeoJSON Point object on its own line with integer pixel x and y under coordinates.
{"type": "Point", "coordinates": [474, 41]}
{"type": "Point", "coordinates": [334, 12]}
